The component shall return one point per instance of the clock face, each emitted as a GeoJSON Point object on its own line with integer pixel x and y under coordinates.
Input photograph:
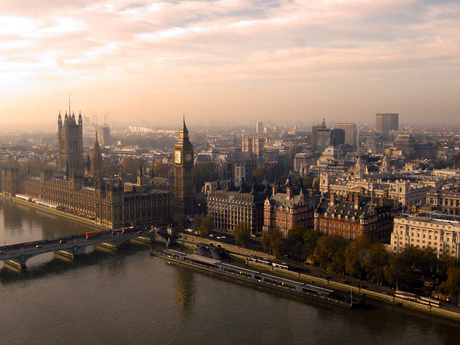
{"type": "Point", "coordinates": [177, 157]}
{"type": "Point", "coordinates": [188, 157]}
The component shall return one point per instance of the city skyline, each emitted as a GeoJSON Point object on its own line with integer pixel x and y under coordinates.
{"type": "Point", "coordinates": [239, 60]}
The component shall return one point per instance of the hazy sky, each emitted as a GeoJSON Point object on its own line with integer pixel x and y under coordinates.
{"type": "Point", "coordinates": [232, 60]}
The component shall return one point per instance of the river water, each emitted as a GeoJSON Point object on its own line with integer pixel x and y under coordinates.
{"type": "Point", "coordinates": [129, 297]}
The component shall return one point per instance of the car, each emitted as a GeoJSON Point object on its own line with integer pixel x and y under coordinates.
{"type": "Point", "coordinates": [223, 237]}
{"type": "Point", "coordinates": [218, 237]}
{"type": "Point", "coordinates": [211, 235]}
{"type": "Point", "coordinates": [62, 241]}
{"type": "Point", "coordinates": [38, 246]}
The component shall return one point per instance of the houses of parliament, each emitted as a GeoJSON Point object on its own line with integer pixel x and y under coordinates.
{"type": "Point", "coordinates": [78, 187]}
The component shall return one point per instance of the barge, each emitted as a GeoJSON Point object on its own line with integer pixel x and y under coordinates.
{"type": "Point", "coordinates": [299, 288]}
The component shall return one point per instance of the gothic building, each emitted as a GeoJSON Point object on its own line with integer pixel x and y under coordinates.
{"type": "Point", "coordinates": [108, 201]}
{"type": "Point", "coordinates": [183, 173]}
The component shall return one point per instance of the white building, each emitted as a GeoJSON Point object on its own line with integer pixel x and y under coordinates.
{"type": "Point", "coordinates": [441, 232]}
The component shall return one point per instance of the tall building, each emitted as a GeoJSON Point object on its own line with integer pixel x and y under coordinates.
{"type": "Point", "coordinates": [259, 127]}
{"type": "Point", "coordinates": [386, 122]}
{"type": "Point", "coordinates": [337, 136]}
{"type": "Point", "coordinates": [70, 145]}
{"type": "Point", "coordinates": [104, 136]}
{"type": "Point", "coordinates": [183, 173]}
{"type": "Point", "coordinates": [350, 132]}
{"type": "Point", "coordinates": [320, 136]}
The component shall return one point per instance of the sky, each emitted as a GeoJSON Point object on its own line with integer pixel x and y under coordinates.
{"type": "Point", "coordinates": [150, 62]}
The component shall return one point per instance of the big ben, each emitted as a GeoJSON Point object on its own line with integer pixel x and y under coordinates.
{"type": "Point", "coordinates": [183, 173]}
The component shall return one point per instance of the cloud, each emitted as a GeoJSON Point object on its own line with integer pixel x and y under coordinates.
{"type": "Point", "coordinates": [162, 44]}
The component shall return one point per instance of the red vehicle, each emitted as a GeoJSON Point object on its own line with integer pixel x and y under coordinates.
{"type": "Point", "coordinates": [91, 234]}
{"type": "Point", "coordinates": [132, 229]}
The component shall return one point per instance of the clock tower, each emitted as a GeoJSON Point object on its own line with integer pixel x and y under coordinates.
{"type": "Point", "coordinates": [183, 173]}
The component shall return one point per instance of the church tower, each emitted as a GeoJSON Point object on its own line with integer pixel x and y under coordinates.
{"type": "Point", "coordinates": [70, 145]}
{"type": "Point", "coordinates": [183, 173]}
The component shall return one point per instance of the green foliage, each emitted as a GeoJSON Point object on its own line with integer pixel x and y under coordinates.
{"type": "Point", "coordinates": [453, 281]}
{"type": "Point", "coordinates": [130, 165]}
{"type": "Point", "coordinates": [242, 233]}
{"type": "Point", "coordinates": [206, 226]}
{"type": "Point", "coordinates": [376, 261]}
{"type": "Point", "coordinates": [273, 241]}
{"type": "Point", "coordinates": [161, 170]}
{"type": "Point", "coordinates": [109, 168]}
{"type": "Point", "coordinates": [356, 254]}
{"type": "Point", "coordinates": [259, 174]}
{"type": "Point", "coordinates": [329, 253]}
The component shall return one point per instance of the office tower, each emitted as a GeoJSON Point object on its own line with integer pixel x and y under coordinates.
{"type": "Point", "coordinates": [337, 136]}
{"type": "Point", "coordinates": [386, 122]}
{"type": "Point", "coordinates": [259, 127]}
{"type": "Point", "coordinates": [350, 132]}
{"type": "Point", "coordinates": [320, 136]}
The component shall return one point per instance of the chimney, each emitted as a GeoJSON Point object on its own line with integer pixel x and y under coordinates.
{"type": "Point", "coordinates": [381, 202]}
{"type": "Point", "coordinates": [356, 202]}
{"type": "Point", "coordinates": [332, 199]}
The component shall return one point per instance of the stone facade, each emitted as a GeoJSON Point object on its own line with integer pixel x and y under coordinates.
{"type": "Point", "coordinates": [439, 232]}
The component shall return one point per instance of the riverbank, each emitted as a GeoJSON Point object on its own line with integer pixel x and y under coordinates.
{"type": "Point", "coordinates": [243, 254]}
{"type": "Point", "coordinates": [55, 212]}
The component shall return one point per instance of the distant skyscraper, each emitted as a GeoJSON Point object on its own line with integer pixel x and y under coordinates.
{"type": "Point", "coordinates": [320, 136]}
{"type": "Point", "coordinates": [386, 122]}
{"type": "Point", "coordinates": [350, 132]}
{"type": "Point", "coordinates": [259, 127]}
{"type": "Point", "coordinates": [104, 137]}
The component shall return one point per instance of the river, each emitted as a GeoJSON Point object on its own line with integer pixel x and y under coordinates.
{"type": "Point", "coordinates": [129, 297]}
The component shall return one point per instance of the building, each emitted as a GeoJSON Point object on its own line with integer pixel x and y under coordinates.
{"type": "Point", "coordinates": [104, 136]}
{"type": "Point", "coordinates": [356, 215]}
{"type": "Point", "coordinates": [108, 201]}
{"type": "Point", "coordinates": [289, 207]}
{"type": "Point", "coordinates": [70, 145]}
{"type": "Point", "coordinates": [320, 136]}
{"type": "Point", "coordinates": [234, 205]}
{"type": "Point", "coordinates": [350, 132]}
{"type": "Point", "coordinates": [253, 145]}
{"type": "Point", "coordinates": [259, 127]}
{"type": "Point", "coordinates": [445, 201]}
{"type": "Point", "coordinates": [183, 173]}
{"type": "Point", "coordinates": [440, 232]}
{"type": "Point", "coordinates": [386, 122]}
{"type": "Point", "coordinates": [337, 136]}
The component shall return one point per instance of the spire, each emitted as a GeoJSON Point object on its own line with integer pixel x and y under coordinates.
{"type": "Point", "coordinates": [184, 127]}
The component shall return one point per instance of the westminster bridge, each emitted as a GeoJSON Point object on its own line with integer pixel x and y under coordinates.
{"type": "Point", "coordinates": [17, 255]}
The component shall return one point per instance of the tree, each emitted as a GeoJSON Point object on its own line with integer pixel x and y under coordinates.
{"type": "Point", "coordinates": [376, 261]}
{"type": "Point", "coordinates": [161, 169]}
{"type": "Point", "coordinates": [242, 233]}
{"type": "Point", "coordinates": [329, 253]}
{"type": "Point", "coordinates": [206, 226]}
{"type": "Point", "coordinates": [273, 241]}
{"type": "Point", "coordinates": [259, 174]}
{"type": "Point", "coordinates": [355, 255]}
{"type": "Point", "coordinates": [452, 284]}
{"type": "Point", "coordinates": [109, 168]}
{"type": "Point", "coordinates": [130, 165]}
{"type": "Point", "coordinates": [310, 239]}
